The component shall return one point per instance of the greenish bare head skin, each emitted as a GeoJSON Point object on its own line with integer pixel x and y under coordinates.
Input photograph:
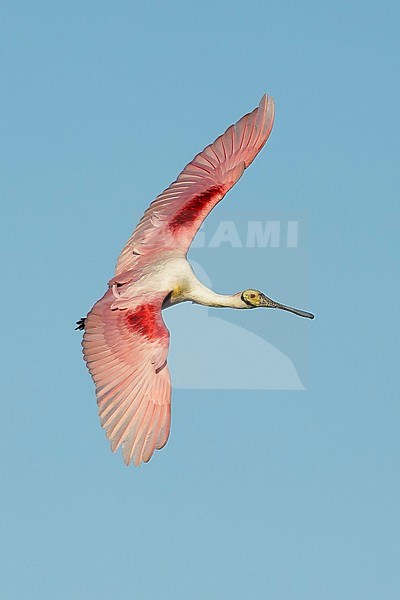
{"type": "Point", "coordinates": [253, 298]}
{"type": "Point", "coordinates": [256, 299]}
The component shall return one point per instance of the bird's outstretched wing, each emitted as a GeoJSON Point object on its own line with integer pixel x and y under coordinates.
{"type": "Point", "coordinates": [172, 220]}
{"type": "Point", "coordinates": [126, 353]}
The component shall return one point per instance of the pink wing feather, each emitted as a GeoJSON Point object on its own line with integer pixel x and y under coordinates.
{"type": "Point", "coordinates": [126, 342]}
{"type": "Point", "coordinates": [126, 353]}
{"type": "Point", "coordinates": [173, 219]}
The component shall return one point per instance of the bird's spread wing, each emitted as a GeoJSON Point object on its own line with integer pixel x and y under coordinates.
{"type": "Point", "coordinates": [173, 219]}
{"type": "Point", "coordinates": [126, 353]}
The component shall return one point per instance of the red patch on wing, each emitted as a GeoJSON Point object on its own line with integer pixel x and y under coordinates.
{"type": "Point", "coordinates": [146, 320]}
{"type": "Point", "coordinates": [194, 207]}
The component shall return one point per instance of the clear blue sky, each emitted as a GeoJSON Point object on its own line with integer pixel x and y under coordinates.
{"type": "Point", "coordinates": [275, 495]}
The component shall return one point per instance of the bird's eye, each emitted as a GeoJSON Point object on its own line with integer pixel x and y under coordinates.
{"type": "Point", "coordinates": [252, 295]}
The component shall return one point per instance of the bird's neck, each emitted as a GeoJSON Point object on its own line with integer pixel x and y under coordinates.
{"type": "Point", "coordinates": [201, 294]}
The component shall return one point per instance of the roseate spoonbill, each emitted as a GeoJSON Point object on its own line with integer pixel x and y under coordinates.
{"type": "Point", "coordinates": [125, 342]}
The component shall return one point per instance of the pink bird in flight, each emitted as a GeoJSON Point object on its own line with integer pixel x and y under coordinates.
{"type": "Point", "coordinates": [125, 341]}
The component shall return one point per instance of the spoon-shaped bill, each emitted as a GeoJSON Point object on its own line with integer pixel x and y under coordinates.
{"type": "Point", "coordinates": [296, 311]}
{"type": "Point", "coordinates": [268, 303]}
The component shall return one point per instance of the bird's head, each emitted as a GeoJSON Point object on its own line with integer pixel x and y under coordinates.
{"type": "Point", "coordinates": [256, 299]}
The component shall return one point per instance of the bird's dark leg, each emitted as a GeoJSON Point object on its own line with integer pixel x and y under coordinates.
{"type": "Point", "coordinates": [80, 324]}
{"type": "Point", "coordinates": [167, 301]}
